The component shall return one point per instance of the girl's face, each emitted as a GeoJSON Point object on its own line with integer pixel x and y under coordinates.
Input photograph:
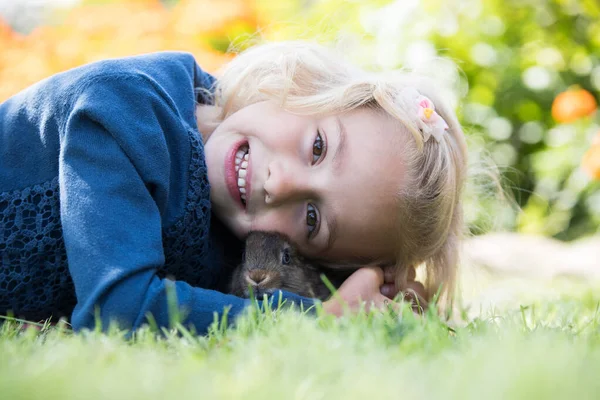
{"type": "Point", "coordinates": [330, 184]}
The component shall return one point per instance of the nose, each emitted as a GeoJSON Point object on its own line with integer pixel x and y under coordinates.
{"type": "Point", "coordinates": [257, 277]}
{"type": "Point", "coordinates": [286, 182]}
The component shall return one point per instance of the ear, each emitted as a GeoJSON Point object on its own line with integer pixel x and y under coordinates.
{"type": "Point", "coordinates": [293, 251]}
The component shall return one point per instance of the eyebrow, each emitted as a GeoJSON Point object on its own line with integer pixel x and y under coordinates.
{"type": "Point", "coordinates": [337, 160]}
{"type": "Point", "coordinates": [341, 147]}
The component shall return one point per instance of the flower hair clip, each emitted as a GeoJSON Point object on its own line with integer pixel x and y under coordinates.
{"type": "Point", "coordinates": [428, 121]}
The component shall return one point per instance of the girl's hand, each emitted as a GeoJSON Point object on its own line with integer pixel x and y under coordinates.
{"type": "Point", "coordinates": [414, 291]}
{"type": "Point", "coordinates": [362, 285]}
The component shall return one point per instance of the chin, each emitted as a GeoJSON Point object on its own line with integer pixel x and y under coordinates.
{"type": "Point", "coordinates": [234, 225]}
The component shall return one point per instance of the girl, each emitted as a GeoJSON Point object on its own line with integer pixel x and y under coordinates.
{"type": "Point", "coordinates": [122, 175]}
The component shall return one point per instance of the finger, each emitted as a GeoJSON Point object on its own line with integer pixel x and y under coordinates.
{"type": "Point", "coordinates": [389, 290]}
{"type": "Point", "coordinates": [389, 273]}
{"type": "Point", "coordinates": [415, 294]}
{"type": "Point", "coordinates": [416, 288]}
{"type": "Point", "coordinates": [376, 273]}
{"type": "Point", "coordinates": [384, 304]}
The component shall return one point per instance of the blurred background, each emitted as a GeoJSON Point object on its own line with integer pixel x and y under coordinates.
{"type": "Point", "coordinates": [523, 75]}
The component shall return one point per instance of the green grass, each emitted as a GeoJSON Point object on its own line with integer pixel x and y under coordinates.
{"type": "Point", "coordinates": [548, 349]}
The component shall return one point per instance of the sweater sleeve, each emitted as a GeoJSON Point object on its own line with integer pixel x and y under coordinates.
{"type": "Point", "coordinates": [111, 222]}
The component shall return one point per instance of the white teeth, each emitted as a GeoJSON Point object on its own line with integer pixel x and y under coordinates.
{"type": "Point", "coordinates": [241, 165]}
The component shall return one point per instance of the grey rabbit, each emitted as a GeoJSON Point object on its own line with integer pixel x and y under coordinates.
{"type": "Point", "coordinates": [270, 262]}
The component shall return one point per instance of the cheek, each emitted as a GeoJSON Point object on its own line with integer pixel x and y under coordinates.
{"type": "Point", "coordinates": [280, 221]}
{"type": "Point", "coordinates": [283, 140]}
{"type": "Point", "coordinates": [280, 133]}
{"type": "Point", "coordinates": [215, 151]}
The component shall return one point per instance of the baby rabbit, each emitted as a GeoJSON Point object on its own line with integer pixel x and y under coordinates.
{"type": "Point", "coordinates": [271, 263]}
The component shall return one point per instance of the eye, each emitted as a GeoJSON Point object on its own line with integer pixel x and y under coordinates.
{"type": "Point", "coordinates": [285, 257]}
{"type": "Point", "coordinates": [312, 219]}
{"type": "Point", "coordinates": [318, 147]}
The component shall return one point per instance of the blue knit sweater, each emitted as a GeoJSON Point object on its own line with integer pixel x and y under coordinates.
{"type": "Point", "coordinates": [104, 198]}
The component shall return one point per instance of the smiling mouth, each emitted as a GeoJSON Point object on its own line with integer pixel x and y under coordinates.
{"type": "Point", "coordinates": [241, 169]}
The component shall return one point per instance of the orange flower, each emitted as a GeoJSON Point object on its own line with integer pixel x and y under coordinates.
{"type": "Point", "coordinates": [573, 104]}
{"type": "Point", "coordinates": [591, 162]}
{"type": "Point", "coordinates": [6, 33]}
{"type": "Point", "coordinates": [596, 140]}
{"type": "Point", "coordinates": [193, 16]}
{"type": "Point", "coordinates": [98, 29]}
{"type": "Point", "coordinates": [591, 159]}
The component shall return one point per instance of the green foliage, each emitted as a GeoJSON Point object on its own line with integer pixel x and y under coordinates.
{"type": "Point", "coordinates": [518, 56]}
{"type": "Point", "coordinates": [514, 57]}
{"type": "Point", "coordinates": [501, 62]}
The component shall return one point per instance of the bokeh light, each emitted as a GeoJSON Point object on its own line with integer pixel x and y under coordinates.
{"type": "Point", "coordinates": [523, 76]}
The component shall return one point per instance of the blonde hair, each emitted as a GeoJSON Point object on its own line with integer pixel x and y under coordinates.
{"type": "Point", "coordinates": [309, 79]}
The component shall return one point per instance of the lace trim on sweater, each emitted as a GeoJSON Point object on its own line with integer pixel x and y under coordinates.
{"type": "Point", "coordinates": [191, 254]}
{"type": "Point", "coordinates": [33, 273]}
{"type": "Point", "coordinates": [34, 278]}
